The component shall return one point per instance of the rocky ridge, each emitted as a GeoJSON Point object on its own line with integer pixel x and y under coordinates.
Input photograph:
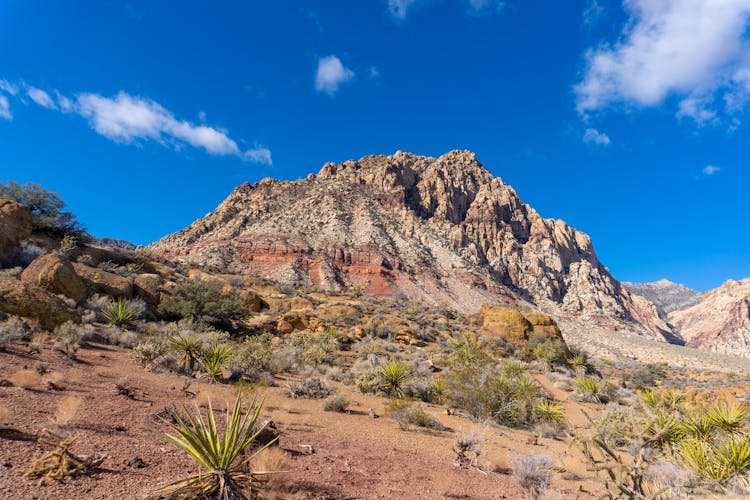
{"type": "Point", "coordinates": [441, 230]}
{"type": "Point", "coordinates": [720, 322]}
{"type": "Point", "coordinates": [666, 295]}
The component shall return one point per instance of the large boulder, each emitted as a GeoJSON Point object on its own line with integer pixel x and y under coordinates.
{"type": "Point", "coordinates": [55, 274]}
{"type": "Point", "coordinates": [517, 327]}
{"type": "Point", "coordinates": [33, 302]}
{"type": "Point", "coordinates": [15, 223]}
{"type": "Point", "coordinates": [104, 282]}
{"type": "Point", "coordinates": [148, 287]}
{"type": "Point", "coordinates": [298, 320]}
{"type": "Point", "coordinates": [252, 301]}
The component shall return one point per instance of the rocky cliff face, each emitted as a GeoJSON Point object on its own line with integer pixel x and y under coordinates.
{"type": "Point", "coordinates": [720, 321]}
{"type": "Point", "coordinates": [666, 295]}
{"type": "Point", "coordinates": [441, 230]}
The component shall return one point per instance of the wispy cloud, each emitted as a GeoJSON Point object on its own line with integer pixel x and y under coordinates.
{"type": "Point", "coordinates": [593, 136]}
{"type": "Point", "coordinates": [331, 73]}
{"type": "Point", "coordinates": [710, 170]}
{"type": "Point", "coordinates": [7, 87]}
{"type": "Point", "coordinates": [592, 12]}
{"type": "Point", "coordinates": [398, 8]}
{"type": "Point", "coordinates": [125, 118]}
{"type": "Point", "coordinates": [40, 97]}
{"type": "Point", "coordinates": [5, 108]}
{"type": "Point", "coordinates": [689, 49]}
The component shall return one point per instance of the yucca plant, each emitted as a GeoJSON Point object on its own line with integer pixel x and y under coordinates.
{"type": "Point", "coordinates": [672, 399]}
{"type": "Point", "coordinates": [549, 411]}
{"type": "Point", "coordinates": [730, 418]}
{"type": "Point", "coordinates": [589, 386]}
{"type": "Point", "coordinates": [578, 363]}
{"type": "Point", "coordinates": [213, 359]}
{"type": "Point", "coordinates": [734, 456]}
{"type": "Point", "coordinates": [393, 375]}
{"type": "Point", "coordinates": [188, 350]}
{"type": "Point", "coordinates": [199, 437]}
{"type": "Point", "coordinates": [698, 424]}
{"type": "Point", "coordinates": [664, 429]}
{"type": "Point", "coordinates": [513, 368]}
{"type": "Point", "coordinates": [121, 313]}
{"type": "Point", "coordinates": [651, 398]}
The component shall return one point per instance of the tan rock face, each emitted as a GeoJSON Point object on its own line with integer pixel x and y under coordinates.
{"type": "Point", "coordinates": [148, 287]}
{"type": "Point", "coordinates": [720, 321]}
{"type": "Point", "coordinates": [56, 275]}
{"type": "Point", "coordinates": [104, 282]}
{"type": "Point", "coordinates": [36, 303]}
{"type": "Point", "coordinates": [15, 223]}
{"type": "Point", "coordinates": [516, 327]}
{"type": "Point", "coordinates": [440, 230]}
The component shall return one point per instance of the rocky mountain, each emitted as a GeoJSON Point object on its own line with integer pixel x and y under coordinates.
{"type": "Point", "coordinates": [441, 230]}
{"type": "Point", "coordinates": [720, 322]}
{"type": "Point", "coordinates": [666, 295]}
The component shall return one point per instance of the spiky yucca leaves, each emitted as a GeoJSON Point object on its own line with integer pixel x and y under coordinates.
{"type": "Point", "coordinates": [664, 430]}
{"type": "Point", "coordinates": [393, 375]}
{"type": "Point", "coordinates": [188, 350]}
{"type": "Point", "coordinates": [651, 398]}
{"type": "Point", "coordinates": [121, 313]}
{"type": "Point", "coordinates": [579, 363]}
{"type": "Point", "coordinates": [729, 417]}
{"type": "Point", "coordinates": [549, 411]}
{"type": "Point", "coordinates": [199, 437]}
{"type": "Point", "coordinates": [721, 461]}
{"type": "Point", "coordinates": [698, 424]}
{"type": "Point", "coordinates": [590, 387]}
{"type": "Point", "coordinates": [214, 357]}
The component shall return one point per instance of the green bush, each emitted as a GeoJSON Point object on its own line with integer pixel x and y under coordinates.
{"type": "Point", "coordinates": [337, 403]}
{"type": "Point", "coordinates": [393, 375]}
{"type": "Point", "coordinates": [123, 313]}
{"type": "Point", "coordinates": [46, 207]}
{"type": "Point", "coordinates": [204, 300]}
{"type": "Point", "coordinates": [407, 413]}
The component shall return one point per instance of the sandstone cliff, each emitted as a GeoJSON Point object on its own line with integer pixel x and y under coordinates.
{"type": "Point", "coordinates": [720, 322]}
{"type": "Point", "coordinates": [441, 230]}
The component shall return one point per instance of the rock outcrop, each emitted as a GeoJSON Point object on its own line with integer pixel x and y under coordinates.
{"type": "Point", "coordinates": [517, 327]}
{"type": "Point", "coordinates": [55, 274]}
{"type": "Point", "coordinates": [33, 302]}
{"type": "Point", "coordinates": [720, 322]}
{"type": "Point", "coordinates": [441, 230]}
{"type": "Point", "coordinates": [666, 295]}
{"type": "Point", "coordinates": [15, 224]}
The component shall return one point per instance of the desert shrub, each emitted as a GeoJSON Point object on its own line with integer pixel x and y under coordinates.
{"type": "Point", "coordinates": [253, 356]}
{"type": "Point", "coordinates": [550, 412]}
{"type": "Point", "coordinates": [213, 358]}
{"type": "Point", "coordinates": [9, 335]}
{"type": "Point", "coordinates": [41, 368]}
{"type": "Point", "coordinates": [645, 376]}
{"type": "Point", "coordinates": [407, 413]}
{"type": "Point", "coordinates": [187, 347]}
{"type": "Point", "coordinates": [46, 207]}
{"type": "Point", "coordinates": [468, 447]}
{"type": "Point", "coordinates": [532, 473]}
{"type": "Point", "coordinates": [336, 403]}
{"type": "Point", "coordinates": [310, 387]}
{"type": "Point", "coordinates": [548, 352]}
{"type": "Point", "coordinates": [366, 376]}
{"type": "Point", "coordinates": [20, 256]}
{"type": "Point", "coordinates": [123, 313]}
{"type": "Point", "coordinates": [393, 375]}
{"type": "Point", "coordinates": [579, 363]}
{"type": "Point", "coordinates": [619, 426]}
{"type": "Point", "coordinates": [199, 438]}
{"type": "Point", "coordinates": [318, 348]}
{"type": "Point", "coordinates": [148, 352]}
{"type": "Point", "coordinates": [593, 389]}
{"type": "Point", "coordinates": [68, 338]}
{"type": "Point", "coordinates": [204, 300]}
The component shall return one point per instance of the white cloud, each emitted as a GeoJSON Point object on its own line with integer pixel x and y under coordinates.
{"type": "Point", "coordinates": [41, 97]}
{"type": "Point", "coordinates": [479, 6]}
{"type": "Point", "coordinates": [593, 136]}
{"type": "Point", "coordinates": [5, 108]}
{"type": "Point", "coordinates": [398, 8]}
{"type": "Point", "coordinates": [8, 87]}
{"type": "Point", "coordinates": [690, 49]}
{"type": "Point", "coordinates": [592, 12]}
{"type": "Point", "coordinates": [331, 74]}
{"type": "Point", "coordinates": [710, 170]}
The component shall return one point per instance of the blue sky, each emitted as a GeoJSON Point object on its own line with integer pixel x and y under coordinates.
{"type": "Point", "coordinates": [625, 119]}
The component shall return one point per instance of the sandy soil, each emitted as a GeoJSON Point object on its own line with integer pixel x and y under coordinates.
{"type": "Point", "coordinates": [354, 455]}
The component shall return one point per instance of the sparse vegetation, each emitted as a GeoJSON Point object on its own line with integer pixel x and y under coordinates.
{"type": "Point", "coordinates": [337, 403]}
{"type": "Point", "coordinates": [47, 214]}
{"type": "Point", "coordinates": [200, 439]}
{"type": "Point", "coordinates": [532, 473]}
{"type": "Point", "coordinates": [204, 300]}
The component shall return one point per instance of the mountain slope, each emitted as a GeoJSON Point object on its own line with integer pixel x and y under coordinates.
{"type": "Point", "coordinates": [441, 230]}
{"type": "Point", "coordinates": [666, 295]}
{"type": "Point", "coordinates": [720, 322]}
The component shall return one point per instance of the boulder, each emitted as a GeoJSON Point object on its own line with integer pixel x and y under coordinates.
{"type": "Point", "coordinates": [104, 282]}
{"type": "Point", "coordinates": [148, 287]}
{"type": "Point", "coordinates": [55, 274]}
{"type": "Point", "coordinates": [516, 327]}
{"type": "Point", "coordinates": [15, 223]}
{"type": "Point", "coordinates": [252, 301]}
{"type": "Point", "coordinates": [298, 320]}
{"type": "Point", "coordinates": [35, 303]}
